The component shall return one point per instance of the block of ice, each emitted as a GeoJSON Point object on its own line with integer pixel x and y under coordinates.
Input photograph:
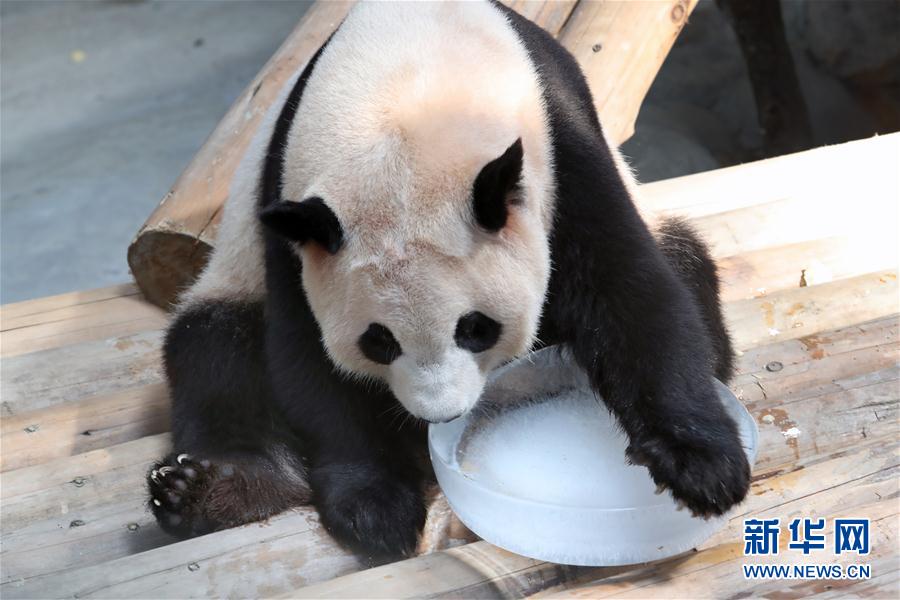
{"type": "Point", "coordinates": [539, 469]}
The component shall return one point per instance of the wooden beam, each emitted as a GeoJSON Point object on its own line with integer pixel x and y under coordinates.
{"type": "Point", "coordinates": [620, 45]}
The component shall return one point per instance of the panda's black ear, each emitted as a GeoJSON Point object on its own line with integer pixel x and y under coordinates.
{"type": "Point", "coordinates": [305, 221]}
{"type": "Point", "coordinates": [493, 185]}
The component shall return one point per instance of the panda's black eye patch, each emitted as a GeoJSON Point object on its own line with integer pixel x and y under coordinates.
{"type": "Point", "coordinates": [476, 332]}
{"type": "Point", "coordinates": [379, 345]}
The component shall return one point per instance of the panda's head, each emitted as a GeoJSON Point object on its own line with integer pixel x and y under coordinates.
{"type": "Point", "coordinates": [420, 209]}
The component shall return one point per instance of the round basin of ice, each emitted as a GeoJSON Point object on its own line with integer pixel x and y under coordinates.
{"type": "Point", "coordinates": [539, 469]}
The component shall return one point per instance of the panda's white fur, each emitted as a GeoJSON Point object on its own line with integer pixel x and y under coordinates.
{"type": "Point", "coordinates": [236, 269]}
{"type": "Point", "coordinates": [392, 137]}
{"type": "Point", "coordinates": [398, 118]}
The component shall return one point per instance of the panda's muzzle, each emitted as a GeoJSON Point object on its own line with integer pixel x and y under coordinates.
{"type": "Point", "coordinates": [440, 391]}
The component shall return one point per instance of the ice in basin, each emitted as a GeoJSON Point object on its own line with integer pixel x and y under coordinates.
{"type": "Point", "coordinates": [539, 469]}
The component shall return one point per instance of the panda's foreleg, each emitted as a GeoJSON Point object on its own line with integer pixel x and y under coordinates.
{"type": "Point", "coordinates": [233, 461]}
{"type": "Point", "coordinates": [366, 483]}
{"type": "Point", "coordinates": [632, 324]}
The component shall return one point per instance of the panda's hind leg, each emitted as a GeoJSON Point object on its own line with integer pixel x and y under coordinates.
{"type": "Point", "coordinates": [233, 460]}
{"type": "Point", "coordinates": [689, 256]}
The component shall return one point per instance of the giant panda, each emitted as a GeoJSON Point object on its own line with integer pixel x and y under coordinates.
{"type": "Point", "coordinates": [431, 197]}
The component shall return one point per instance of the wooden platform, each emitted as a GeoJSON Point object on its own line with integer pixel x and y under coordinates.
{"type": "Point", "coordinates": [808, 250]}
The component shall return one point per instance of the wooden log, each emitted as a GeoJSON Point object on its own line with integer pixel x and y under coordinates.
{"type": "Point", "coordinates": [40, 306]}
{"type": "Point", "coordinates": [620, 45]}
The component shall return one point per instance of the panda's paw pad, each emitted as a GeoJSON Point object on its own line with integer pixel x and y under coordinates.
{"type": "Point", "coordinates": [179, 485]}
{"type": "Point", "coordinates": [706, 478]}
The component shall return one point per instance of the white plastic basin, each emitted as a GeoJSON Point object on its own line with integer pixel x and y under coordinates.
{"type": "Point", "coordinates": [539, 469]}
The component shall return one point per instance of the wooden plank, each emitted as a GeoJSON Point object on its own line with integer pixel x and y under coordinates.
{"type": "Point", "coordinates": [755, 361]}
{"type": "Point", "coordinates": [37, 306]}
{"type": "Point", "coordinates": [112, 317]}
{"type": "Point", "coordinates": [63, 485]}
{"type": "Point", "coordinates": [258, 560]}
{"type": "Point", "coordinates": [804, 311]}
{"type": "Point", "coordinates": [818, 176]}
{"type": "Point", "coordinates": [755, 273]}
{"type": "Point", "coordinates": [71, 373]}
{"type": "Point", "coordinates": [74, 428]}
{"type": "Point", "coordinates": [86, 536]}
{"type": "Point", "coordinates": [802, 219]}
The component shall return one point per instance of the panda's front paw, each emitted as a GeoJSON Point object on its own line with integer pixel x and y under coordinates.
{"type": "Point", "coordinates": [709, 476]}
{"type": "Point", "coordinates": [374, 514]}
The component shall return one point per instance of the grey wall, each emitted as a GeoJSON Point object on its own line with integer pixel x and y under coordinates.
{"type": "Point", "coordinates": [102, 104]}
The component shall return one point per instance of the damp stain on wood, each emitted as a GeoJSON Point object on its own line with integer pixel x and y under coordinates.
{"type": "Point", "coordinates": [779, 418]}
{"type": "Point", "coordinates": [813, 345]}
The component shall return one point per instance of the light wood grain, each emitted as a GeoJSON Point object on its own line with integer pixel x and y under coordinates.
{"type": "Point", "coordinates": [38, 306]}
{"type": "Point", "coordinates": [112, 317]}
{"type": "Point", "coordinates": [831, 178]}
{"type": "Point", "coordinates": [76, 427]}
{"type": "Point", "coordinates": [257, 560]}
{"type": "Point", "coordinates": [804, 311]}
{"type": "Point", "coordinates": [70, 373]}
{"type": "Point", "coordinates": [620, 47]}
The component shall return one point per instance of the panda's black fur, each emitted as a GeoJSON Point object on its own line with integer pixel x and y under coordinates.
{"type": "Point", "coordinates": [641, 316]}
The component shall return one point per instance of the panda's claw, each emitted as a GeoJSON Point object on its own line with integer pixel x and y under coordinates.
{"type": "Point", "coordinates": [182, 457]}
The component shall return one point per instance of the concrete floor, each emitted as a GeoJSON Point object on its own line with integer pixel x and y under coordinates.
{"type": "Point", "coordinates": [103, 103]}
